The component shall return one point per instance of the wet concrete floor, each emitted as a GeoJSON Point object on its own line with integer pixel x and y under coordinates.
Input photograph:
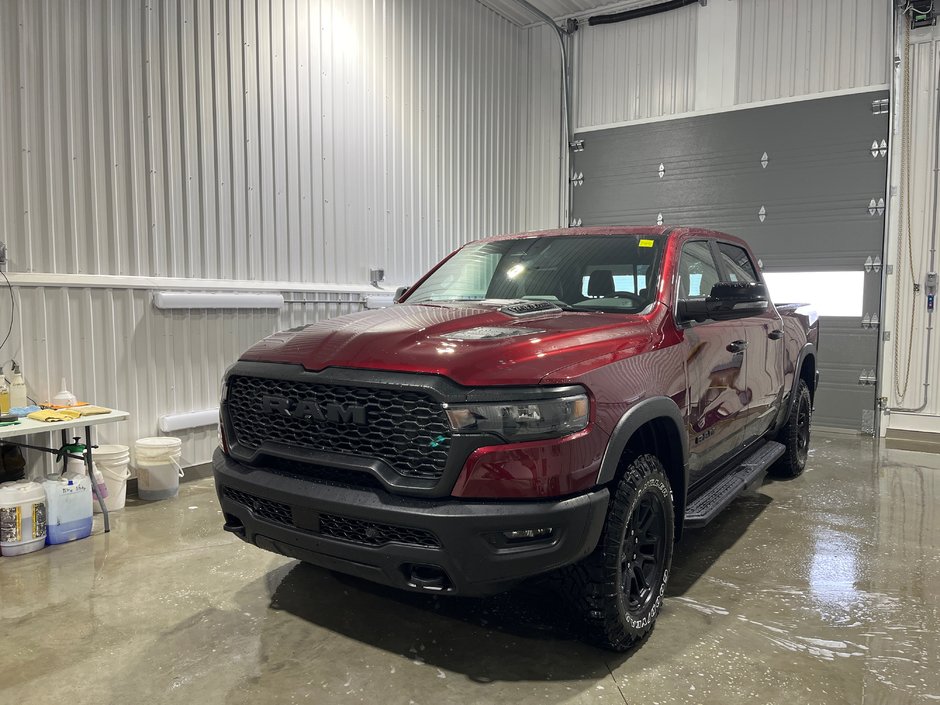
{"type": "Point", "coordinates": [819, 590]}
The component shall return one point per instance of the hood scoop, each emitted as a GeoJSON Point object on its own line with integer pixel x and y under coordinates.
{"type": "Point", "coordinates": [490, 333]}
{"type": "Point", "coordinates": [529, 308]}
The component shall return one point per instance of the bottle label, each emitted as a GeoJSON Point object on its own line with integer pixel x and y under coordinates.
{"type": "Point", "coordinates": [11, 524]}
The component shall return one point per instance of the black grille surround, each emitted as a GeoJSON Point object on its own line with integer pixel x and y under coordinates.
{"type": "Point", "coordinates": [406, 429]}
{"type": "Point", "coordinates": [366, 533]}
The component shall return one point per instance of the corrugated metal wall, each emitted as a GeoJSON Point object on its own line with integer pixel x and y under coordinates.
{"type": "Point", "coordinates": [267, 140]}
{"type": "Point", "coordinates": [288, 140]}
{"type": "Point", "coordinates": [801, 47]}
{"type": "Point", "coordinates": [540, 183]}
{"type": "Point", "coordinates": [637, 69]}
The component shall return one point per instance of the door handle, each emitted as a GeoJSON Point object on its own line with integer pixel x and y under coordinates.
{"type": "Point", "coordinates": [775, 334]}
{"type": "Point", "coordinates": [737, 346]}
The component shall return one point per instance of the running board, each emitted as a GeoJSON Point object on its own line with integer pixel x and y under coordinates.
{"type": "Point", "coordinates": [748, 474]}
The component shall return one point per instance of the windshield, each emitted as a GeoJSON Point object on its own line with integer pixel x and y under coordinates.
{"type": "Point", "coordinates": [616, 273]}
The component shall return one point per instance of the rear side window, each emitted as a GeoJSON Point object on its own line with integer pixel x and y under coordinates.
{"type": "Point", "coordinates": [697, 270]}
{"type": "Point", "coordinates": [737, 263]}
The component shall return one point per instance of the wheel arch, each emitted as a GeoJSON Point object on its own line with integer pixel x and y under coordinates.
{"type": "Point", "coordinates": [654, 426]}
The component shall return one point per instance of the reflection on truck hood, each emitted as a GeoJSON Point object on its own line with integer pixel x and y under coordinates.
{"type": "Point", "coordinates": [472, 344]}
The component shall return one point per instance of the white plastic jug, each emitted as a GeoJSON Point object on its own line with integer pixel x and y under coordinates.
{"type": "Point", "coordinates": [68, 501]}
{"type": "Point", "coordinates": [22, 517]}
{"type": "Point", "coordinates": [158, 468]}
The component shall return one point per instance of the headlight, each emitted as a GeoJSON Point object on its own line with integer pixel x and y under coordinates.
{"type": "Point", "coordinates": [522, 420]}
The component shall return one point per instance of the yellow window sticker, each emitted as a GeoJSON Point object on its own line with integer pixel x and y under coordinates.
{"type": "Point", "coordinates": [646, 243]}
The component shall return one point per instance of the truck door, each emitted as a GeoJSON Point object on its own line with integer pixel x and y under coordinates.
{"type": "Point", "coordinates": [764, 353]}
{"type": "Point", "coordinates": [714, 369]}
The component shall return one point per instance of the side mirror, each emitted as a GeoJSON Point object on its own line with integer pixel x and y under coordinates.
{"type": "Point", "coordinates": [727, 301]}
{"type": "Point", "coordinates": [399, 292]}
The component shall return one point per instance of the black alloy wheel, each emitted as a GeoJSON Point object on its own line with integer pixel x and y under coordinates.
{"type": "Point", "coordinates": [642, 561]}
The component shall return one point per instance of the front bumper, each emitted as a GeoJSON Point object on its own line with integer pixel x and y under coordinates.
{"type": "Point", "coordinates": [436, 544]}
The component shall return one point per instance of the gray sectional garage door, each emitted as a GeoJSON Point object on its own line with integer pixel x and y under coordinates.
{"type": "Point", "coordinates": [804, 183]}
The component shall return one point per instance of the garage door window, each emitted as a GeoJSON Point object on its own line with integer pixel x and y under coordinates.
{"type": "Point", "coordinates": [830, 293]}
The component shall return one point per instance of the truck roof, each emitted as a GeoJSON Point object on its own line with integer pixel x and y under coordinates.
{"type": "Point", "coordinates": [644, 230]}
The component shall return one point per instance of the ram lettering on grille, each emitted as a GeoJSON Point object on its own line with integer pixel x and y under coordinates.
{"type": "Point", "coordinates": [406, 429]}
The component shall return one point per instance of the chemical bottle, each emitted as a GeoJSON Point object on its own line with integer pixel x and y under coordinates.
{"type": "Point", "coordinates": [18, 389]}
{"type": "Point", "coordinates": [4, 396]}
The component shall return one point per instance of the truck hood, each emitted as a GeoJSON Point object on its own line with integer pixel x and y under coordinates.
{"type": "Point", "coordinates": [472, 344]}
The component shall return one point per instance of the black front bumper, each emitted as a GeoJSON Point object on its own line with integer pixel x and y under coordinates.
{"type": "Point", "coordinates": [441, 544]}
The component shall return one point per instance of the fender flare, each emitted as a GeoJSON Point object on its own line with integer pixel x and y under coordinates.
{"type": "Point", "coordinates": [643, 412]}
{"type": "Point", "coordinates": [807, 350]}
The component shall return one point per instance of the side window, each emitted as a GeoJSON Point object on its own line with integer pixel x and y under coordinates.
{"type": "Point", "coordinates": [697, 270]}
{"type": "Point", "coordinates": [737, 263]}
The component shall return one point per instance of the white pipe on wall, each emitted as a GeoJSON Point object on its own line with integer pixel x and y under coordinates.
{"type": "Point", "coordinates": [192, 419]}
{"type": "Point", "coordinates": [201, 299]}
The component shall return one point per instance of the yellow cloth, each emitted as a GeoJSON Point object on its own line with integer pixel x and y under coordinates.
{"type": "Point", "coordinates": [50, 415]}
{"type": "Point", "coordinates": [89, 410]}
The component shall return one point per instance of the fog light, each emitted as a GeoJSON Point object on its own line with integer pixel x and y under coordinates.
{"type": "Point", "coordinates": [527, 534]}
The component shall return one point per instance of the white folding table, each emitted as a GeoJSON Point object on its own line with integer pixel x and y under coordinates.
{"type": "Point", "coordinates": [28, 427]}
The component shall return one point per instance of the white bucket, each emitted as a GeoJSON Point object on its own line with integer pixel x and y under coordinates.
{"type": "Point", "coordinates": [158, 468]}
{"type": "Point", "coordinates": [112, 462]}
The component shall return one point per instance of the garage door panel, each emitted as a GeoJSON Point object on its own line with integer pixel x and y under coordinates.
{"type": "Point", "coordinates": [806, 209]}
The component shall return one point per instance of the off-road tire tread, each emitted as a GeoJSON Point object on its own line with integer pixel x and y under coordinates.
{"type": "Point", "coordinates": [788, 466]}
{"type": "Point", "coordinates": [589, 586]}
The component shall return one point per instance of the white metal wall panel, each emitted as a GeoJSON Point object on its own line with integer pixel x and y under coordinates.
{"type": "Point", "coordinates": [115, 347]}
{"type": "Point", "coordinates": [638, 69]}
{"type": "Point", "coordinates": [541, 179]}
{"type": "Point", "coordinates": [277, 140]}
{"type": "Point", "coordinates": [800, 47]}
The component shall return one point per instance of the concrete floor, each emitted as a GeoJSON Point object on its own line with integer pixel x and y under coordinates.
{"type": "Point", "coordinates": [819, 590]}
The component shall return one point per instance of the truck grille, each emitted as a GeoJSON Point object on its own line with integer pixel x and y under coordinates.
{"type": "Point", "coordinates": [265, 508]}
{"type": "Point", "coordinates": [408, 430]}
{"type": "Point", "coordinates": [368, 533]}
{"type": "Point", "coordinates": [373, 534]}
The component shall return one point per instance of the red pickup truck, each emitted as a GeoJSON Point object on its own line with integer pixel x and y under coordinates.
{"type": "Point", "coordinates": [560, 402]}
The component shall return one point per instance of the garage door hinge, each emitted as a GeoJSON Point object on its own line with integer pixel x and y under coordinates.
{"type": "Point", "coordinates": [870, 321]}
{"type": "Point", "coordinates": [575, 222]}
{"type": "Point", "coordinates": [879, 150]}
{"type": "Point", "coordinates": [876, 207]}
{"type": "Point", "coordinates": [867, 378]}
{"type": "Point", "coordinates": [577, 178]}
{"type": "Point", "coordinates": [879, 107]}
{"type": "Point", "coordinates": [577, 145]}
{"type": "Point", "coordinates": [872, 265]}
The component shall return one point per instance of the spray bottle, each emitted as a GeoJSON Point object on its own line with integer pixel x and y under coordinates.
{"type": "Point", "coordinates": [78, 466]}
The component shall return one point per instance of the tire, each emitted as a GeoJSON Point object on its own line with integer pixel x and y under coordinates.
{"type": "Point", "coordinates": [795, 436]}
{"type": "Point", "coordinates": [617, 596]}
